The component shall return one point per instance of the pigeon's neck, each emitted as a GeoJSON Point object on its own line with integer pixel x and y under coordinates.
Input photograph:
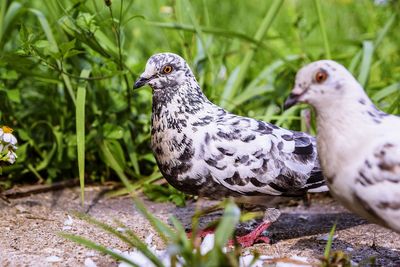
{"type": "Point", "coordinates": [349, 115]}
{"type": "Point", "coordinates": [341, 126]}
{"type": "Point", "coordinates": [176, 105]}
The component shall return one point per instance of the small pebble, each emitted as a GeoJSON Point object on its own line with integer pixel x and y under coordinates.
{"type": "Point", "coordinates": [89, 263]}
{"type": "Point", "coordinates": [303, 217]}
{"type": "Point", "coordinates": [53, 259]}
{"type": "Point", "coordinates": [325, 237]}
{"type": "Point", "coordinates": [69, 221]}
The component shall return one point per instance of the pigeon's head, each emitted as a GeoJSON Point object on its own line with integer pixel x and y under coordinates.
{"type": "Point", "coordinates": [163, 71]}
{"type": "Point", "coordinates": [322, 83]}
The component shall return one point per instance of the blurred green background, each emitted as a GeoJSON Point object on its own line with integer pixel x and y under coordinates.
{"type": "Point", "coordinates": [67, 69]}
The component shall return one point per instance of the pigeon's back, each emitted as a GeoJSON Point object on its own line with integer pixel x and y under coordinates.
{"type": "Point", "coordinates": [252, 157]}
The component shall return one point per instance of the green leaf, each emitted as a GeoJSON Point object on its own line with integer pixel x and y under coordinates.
{"type": "Point", "coordinates": [14, 95]}
{"type": "Point", "coordinates": [80, 131]}
{"type": "Point", "coordinates": [227, 224]}
{"type": "Point", "coordinates": [112, 131]}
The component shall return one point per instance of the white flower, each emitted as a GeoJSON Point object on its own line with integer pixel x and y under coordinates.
{"type": "Point", "coordinates": [11, 156]}
{"type": "Point", "coordinates": [7, 145]}
{"type": "Point", "coordinates": [7, 136]}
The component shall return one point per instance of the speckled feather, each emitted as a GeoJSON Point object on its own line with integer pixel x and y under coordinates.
{"type": "Point", "coordinates": [202, 149]}
{"type": "Point", "coordinates": [358, 144]}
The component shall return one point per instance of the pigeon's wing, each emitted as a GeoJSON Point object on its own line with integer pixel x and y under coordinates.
{"type": "Point", "coordinates": [255, 157]}
{"type": "Point", "coordinates": [378, 184]}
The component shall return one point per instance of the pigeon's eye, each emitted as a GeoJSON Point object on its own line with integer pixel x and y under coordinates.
{"type": "Point", "coordinates": [321, 76]}
{"type": "Point", "coordinates": [167, 69]}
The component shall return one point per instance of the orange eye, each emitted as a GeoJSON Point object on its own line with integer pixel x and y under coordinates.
{"type": "Point", "coordinates": [167, 69]}
{"type": "Point", "coordinates": [321, 76]}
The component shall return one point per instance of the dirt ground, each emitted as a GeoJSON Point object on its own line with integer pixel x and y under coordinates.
{"type": "Point", "coordinates": [29, 228]}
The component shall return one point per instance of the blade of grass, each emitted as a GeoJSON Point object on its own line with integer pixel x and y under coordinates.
{"type": "Point", "coordinates": [6, 18]}
{"type": "Point", "coordinates": [92, 245]}
{"type": "Point", "coordinates": [385, 92]}
{"type": "Point", "coordinates": [227, 224]}
{"type": "Point", "coordinates": [323, 29]}
{"type": "Point", "coordinates": [328, 246]}
{"type": "Point", "coordinates": [269, 18]}
{"type": "Point", "coordinates": [368, 51]}
{"type": "Point", "coordinates": [80, 130]}
{"type": "Point", "coordinates": [132, 239]}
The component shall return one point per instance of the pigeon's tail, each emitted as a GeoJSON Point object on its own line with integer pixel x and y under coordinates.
{"type": "Point", "coordinates": [316, 182]}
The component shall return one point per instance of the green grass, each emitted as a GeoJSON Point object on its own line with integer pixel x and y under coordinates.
{"type": "Point", "coordinates": [67, 68]}
{"type": "Point", "coordinates": [182, 249]}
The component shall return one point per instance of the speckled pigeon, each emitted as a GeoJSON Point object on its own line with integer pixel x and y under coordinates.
{"type": "Point", "coordinates": [358, 144]}
{"type": "Point", "coordinates": [202, 149]}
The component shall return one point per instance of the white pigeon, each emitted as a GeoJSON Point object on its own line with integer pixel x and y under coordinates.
{"type": "Point", "coordinates": [358, 144]}
{"type": "Point", "coordinates": [201, 149]}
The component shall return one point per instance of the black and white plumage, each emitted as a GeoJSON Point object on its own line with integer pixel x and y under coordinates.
{"type": "Point", "coordinates": [358, 144]}
{"type": "Point", "coordinates": [202, 149]}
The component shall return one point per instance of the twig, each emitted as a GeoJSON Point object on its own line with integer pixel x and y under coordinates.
{"type": "Point", "coordinates": [36, 189]}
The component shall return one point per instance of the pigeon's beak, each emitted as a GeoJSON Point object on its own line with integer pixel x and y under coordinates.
{"type": "Point", "coordinates": [291, 101]}
{"type": "Point", "coordinates": [293, 98]}
{"type": "Point", "coordinates": [140, 82]}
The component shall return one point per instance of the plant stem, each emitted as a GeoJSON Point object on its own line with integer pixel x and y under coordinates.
{"type": "Point", "coordinates": [323, 29]}
{"type": "Point", "coordinates": [117, 30]}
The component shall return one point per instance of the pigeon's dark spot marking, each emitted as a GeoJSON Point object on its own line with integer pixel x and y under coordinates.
{"type": "Point", "coordinates": [187, 154]}
{"type": "Point", "coordinates": [248, 138]}
{"type": "Point", "coordinates": [257, 183]}
{"type": "Point", "coordinates": [388, 145]}
{"type": "Point", "coordinates": [237, 180]}
{"type": "Point", "coordinates": [207, 138]}
{"type": "Point", "coordinates": [303, 144]}
{"type": "Point", "coordinates": [287, 137]}
{"type": "Point", "coordinates": [202, 151]}
{"type": "Point", "coordinates": [280, 145]}
{"type": "Point", "coordinates": [259, 154]}
{"type": "Point", "coordinates": [263, 128]}
{"type": "Point", "coordinates": [365, 178]}
{"type": "Point", "coordinates": [225, 151]}
{"type": "Point", "coordinates": [368, 164]}
{"type": "Point", "coordinates": [383, 166]}
{"type": "Point", "coordinates": [212, 162]}
{"type": "Point", "coordinates": [389, 205]}
{"type": "Point", "coordinates": [229, 136]}
{"type": "Point", "coordinates": [277, 187]}
{"type": "Point", "coordinates": [159, 151]}
{"type": "Point", "coordinates": [362, 101]}
{"type": "Point", "coordinates": [338, 86]}
{"type": "Point", "coordinates": [242, 159]}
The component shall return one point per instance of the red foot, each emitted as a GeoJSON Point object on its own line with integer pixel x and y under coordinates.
{"type": "Point", "coordinates": [253, 237]}
{"type": "Point", "coordinates": [202, 233]}
{"type": "Point", "coordinates": [245, 240]}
